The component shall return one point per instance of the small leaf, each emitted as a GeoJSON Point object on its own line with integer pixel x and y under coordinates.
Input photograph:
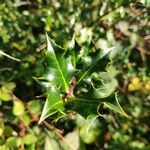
{"type": "Point", "coordinates": [80, 121]}
{"type": "Point", "coordinates": [90, 130]}
{"type": "Point", "coordinates": [5, 94]}
{"type": "Point", "coordinates": [10, 85]}
{"type": "Point", "coordinates": [51, 144]}
{"type": "Point", "coordinates": [35, 106]}
{"type": "Point", "coordinates": [73, 139]}
{"type": "Point", "coordinates": [18, 108]}
{"type": "Point", "coordinates": [86, 35]}
{"type": "Point", "coordinates": [5, 91]}
{"type": "Point", "coordinates": [26, 119]}
{"type": "Point", "coordinates": [13, 142]}
{"type": "Point", "coordinates": [29, 139]}
{"type": "Point", "coordinates": [8, 131]}
{"type": "Point", "coordinates": [114, 105]}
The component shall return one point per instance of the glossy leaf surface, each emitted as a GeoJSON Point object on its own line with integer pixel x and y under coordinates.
{"type": "Point", "coordinates": [95, 61]}
{"type": "Point", "coordinates": [90, 88]}
{"type": "Point", "coordinates": [52, 105]}
{"type": "Point", "coordinates": [114, 105]}
{"type": "Point", "coordinates": [58, 68]}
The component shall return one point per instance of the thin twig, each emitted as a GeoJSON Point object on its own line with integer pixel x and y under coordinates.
{"type": "Point", "coordinates": [18, 4]}
{"type": "Point", "coordinates": [5, 69]}
{"type": "Point", "coordinates": [141, 49]}
{"type": "Point", "coordinates": [41, 48]}
{"type": "Point", "coordinates": [58, 133]}
{"type": "Point", "coordinates": [122, 90]}
{"type": "Point", "coordinates": [13, 58]}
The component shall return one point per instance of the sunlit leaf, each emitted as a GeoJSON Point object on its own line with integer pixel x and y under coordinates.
{"type": "Point", "coordinates": [90, 130]}
{"type": "Point", "coordinates": [59, 71]}
{"type": "Point", "coordinates": [18, 108]}
{"type": "Point", "coordinates": [1, 128]}
{"type": "Point", "coordinates": [5, 94]}
{"type": "Point", "coordinates": [73, 139]}
{"type": "Point", "coordinates": [26, 119]}
{"type": "Point", "coordinates": [29, 139]}
{"type": "Point", "coordinates": [13, 142]}
{"type": "Point", "coordinates": [3, 147]}
{"type": "Point", "coordinates": [51, 144]}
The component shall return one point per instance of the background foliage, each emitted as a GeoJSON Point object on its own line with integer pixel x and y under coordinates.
{"type": "Point", "coordinates": [95, 25]}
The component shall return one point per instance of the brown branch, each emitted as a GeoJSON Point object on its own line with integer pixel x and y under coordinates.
{"type": "Point", "coordinates": [41, 48]}
{"type": "Point", "coordinates": [57, 131]}
{"type": "Point", "coordinates": [18, 4]}
{"type": "Point", "coordinates": [144, 51]}
{"type": "Point", "coordinates": [122, 90]}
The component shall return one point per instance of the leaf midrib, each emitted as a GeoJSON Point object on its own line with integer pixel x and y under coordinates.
{"type": "Point", "coordinates": [58, 66]}
{"type": "Point", "coordinates": [65, 84]}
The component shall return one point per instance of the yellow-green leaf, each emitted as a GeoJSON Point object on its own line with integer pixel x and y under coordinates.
{"type": "Point", "coordinates": [18, 108]}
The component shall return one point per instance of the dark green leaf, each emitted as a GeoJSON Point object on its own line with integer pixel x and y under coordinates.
{"type": "Point", "coordinates": [52, 105]}
{"type": "Point", "coordinates": [13, 142]}
{"type": "Point", "coordinates": [96, 60]}
{"type": "Point", "coordinates": [114, 105]}
{"type": "Point", "coordinates": [59, 68]}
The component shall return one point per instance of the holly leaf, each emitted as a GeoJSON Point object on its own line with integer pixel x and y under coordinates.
{"type": "Point", "coordinates": [52, 105]}
{"type": "Point", "coordinates": [82, 74]}
{"type": "Point", "coordinates": [87, 105]}
{"type": "Point", "coordinates": [114, 105]}
{"type": "Point", "coordinates": [59, 69]}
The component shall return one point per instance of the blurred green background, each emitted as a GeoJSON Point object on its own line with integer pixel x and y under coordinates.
{"type": "Point", "coordinates": [95, 25]}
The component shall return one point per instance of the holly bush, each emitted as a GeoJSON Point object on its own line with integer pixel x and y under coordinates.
{"type": "Point", "coordinates": [74, 74]}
